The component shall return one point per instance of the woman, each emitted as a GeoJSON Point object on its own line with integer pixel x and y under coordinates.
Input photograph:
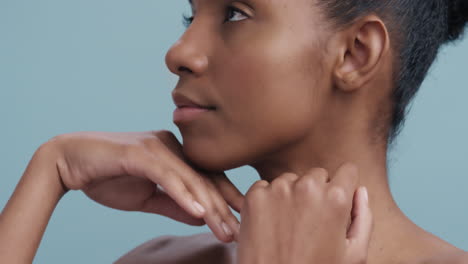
{"type": "Point", "coordinates": [295, 89]}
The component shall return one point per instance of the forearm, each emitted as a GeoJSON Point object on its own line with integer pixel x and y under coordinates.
{"type": "Point", "coordinates": [25, 216]}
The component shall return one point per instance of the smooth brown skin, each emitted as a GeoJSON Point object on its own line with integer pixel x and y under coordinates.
{"type": "Point", "coordinates": [305, 219]}
{"type": "Point", "coordinates": [121, 171]}
{"type": "Point", "coordinates": [291, 93]}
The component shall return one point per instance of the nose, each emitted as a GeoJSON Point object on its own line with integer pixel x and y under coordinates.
{"type": "Point", "coordinates": [187, 55]}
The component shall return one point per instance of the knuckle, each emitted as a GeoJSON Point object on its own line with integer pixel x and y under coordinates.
{"type": "Point", "coordinates": [318, 173]}
{"type": "Point", "coordinates": [260, 184]}
{"type": "Point", "coordinates": [208, 205]}
{"type": "Point", "coordinates": [166, 134]}
{"type": "Point", "coordinates": [307, 185]}
{"type": "Point", "coordinates": [254, 194]}
{"type": "Point", "coordinates": [281, 185]}
{"type": "Point", "coordinates": [168, 180]}
{"type": "Point", "coordinates": [188, 195]}
{"type": "Point", "coordinates": [225, 212]}
{"type": "Point", "coordinates": [171, 176]}
{"type": "Point", "coordinates": [213, 213]}
{"type": "Point", "coordinates": [337, 196]}
{"type": "Point", "coordinates": [183, 194]}
{"type": "Point", "coordinates": [199, 182]}
{"type": "Point", "coordinates": [150, 143]}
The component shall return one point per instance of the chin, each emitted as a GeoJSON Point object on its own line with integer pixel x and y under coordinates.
{"type": "Point", "coordinates": [213, 159]}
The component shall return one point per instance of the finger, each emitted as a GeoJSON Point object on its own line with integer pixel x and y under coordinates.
{"type": "Point", "coordinates": [224, 212]}
{"type": "Point", "coordinates": [359, 233]}
{"type": "Point", "coordinates": [319, 174]}
{"type": "Point", "coordinates": [283, 184]}
{"type": "Point", "coordinates": [199, 192]}
{"type": "Point", "coordinates": [288, 176]}
{"type": "Point", "coordinates": [147, 166]}
{"type": "Point", "coordinates": [203, 192]}
{"type": "Point", "coordinates": [161, 203]}
{"type": "Point", "coordinates": [215, 206]}
{"type": "Point", "coordinates": [219, 228]}
{"type": "Point", "coordinates": [259, 184]}
{"type": "Point", "coordinates": [228, 191]}
{"type": "Point", "coordinates": [197, 186]}
{"type": "Point", "coordinates": [179, 192]}
{"type": "Point", "coordinates": [346, 179]}
{"type": "Point", "coordinates": [217, 217]}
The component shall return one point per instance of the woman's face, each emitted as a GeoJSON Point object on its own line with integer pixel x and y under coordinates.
{"type": "Point", "coordinates": [261, 63]}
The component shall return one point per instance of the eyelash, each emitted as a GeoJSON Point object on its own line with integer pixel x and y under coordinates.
{"type": "Point", "coordinates": [187, 20]}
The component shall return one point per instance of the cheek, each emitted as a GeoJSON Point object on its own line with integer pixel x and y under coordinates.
{"type": "Point", "coordinates": [269, 92]}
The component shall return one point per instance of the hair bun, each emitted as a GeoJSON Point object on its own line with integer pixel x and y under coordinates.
{"type": "Point", "coordinates": [457, 18]}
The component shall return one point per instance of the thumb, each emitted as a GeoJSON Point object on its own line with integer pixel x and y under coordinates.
{"type": "Point", "coordinates": [359, 233]}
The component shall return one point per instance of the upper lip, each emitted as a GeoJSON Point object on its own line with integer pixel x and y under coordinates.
{"type": "Point", "coordinates": [182, 100]}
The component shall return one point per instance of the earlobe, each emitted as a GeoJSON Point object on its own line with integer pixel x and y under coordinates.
{"type": "Point", "coordinates": [361, 55]}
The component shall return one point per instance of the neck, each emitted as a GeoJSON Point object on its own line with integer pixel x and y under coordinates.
{"type": "Point", "coordinates": [330, 154]}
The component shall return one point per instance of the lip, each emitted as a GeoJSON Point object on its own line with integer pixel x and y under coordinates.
{"type": "Point", "coordinates": [187, 108]}
{"type": "Point", "coordinates": [188, 113]}
{"type": "Point", "coordinates": [181, 100]}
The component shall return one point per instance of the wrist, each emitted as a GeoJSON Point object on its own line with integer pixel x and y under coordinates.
{"type": "Point", "coordinates": [45, 160]}
{"type": "Point", "coordinates": [27, 213]}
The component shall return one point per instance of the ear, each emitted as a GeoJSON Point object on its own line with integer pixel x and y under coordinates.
{"type": "Point", "coordinates": [360, 53]}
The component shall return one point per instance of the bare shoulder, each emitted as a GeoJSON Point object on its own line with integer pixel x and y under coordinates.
{"type": "Point", "coordinates": [460, 258]}
{"type": "Point", "coordinates": [169, 249]}
{"type": "Point", "coordinates": [455, 257]}
{"type": "Point", "coordinates": [463, 258]}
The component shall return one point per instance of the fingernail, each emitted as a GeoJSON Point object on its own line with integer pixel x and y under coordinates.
{"type": "Point", "coordinates": [226, 229]}
{"type": "Point", "coordinates": [366, 195]}
{"type": "Point", "coordinates": [199, 207]}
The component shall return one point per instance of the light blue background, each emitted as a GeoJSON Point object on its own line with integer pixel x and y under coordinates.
{"type": "Point", "coordinates": [99, 65]}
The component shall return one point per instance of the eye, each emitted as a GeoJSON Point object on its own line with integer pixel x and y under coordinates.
{"type": "Point", "coordinates": [231, 13]}
{"type": "Point", "coordinates": [235, 14]}
{"type": "Point", "coordinates": [186, 20]}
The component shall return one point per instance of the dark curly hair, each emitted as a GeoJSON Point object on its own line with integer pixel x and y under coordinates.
{"type": "Point", "coordinates": [418, 27]}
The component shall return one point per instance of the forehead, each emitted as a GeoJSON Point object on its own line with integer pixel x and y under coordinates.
{"type": "Point", "coordinates": [280, 3]}
{"type": "Point", "coordinates": [301, 13]}
{"type": "Point", "coordinates": [282, 8]}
